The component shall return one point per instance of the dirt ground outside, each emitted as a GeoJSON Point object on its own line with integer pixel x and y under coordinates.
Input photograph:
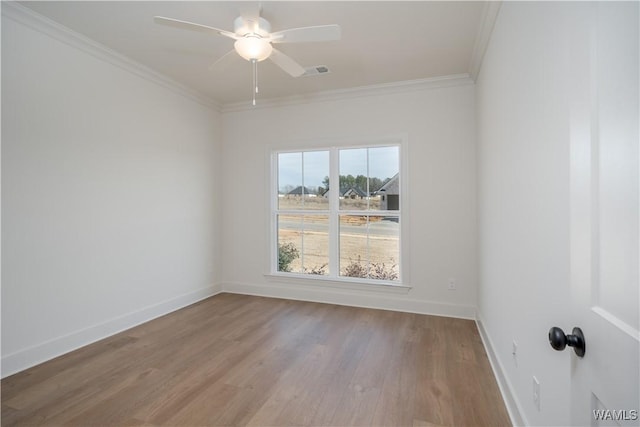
{"type": "Point", "coordinates": [314, 202]}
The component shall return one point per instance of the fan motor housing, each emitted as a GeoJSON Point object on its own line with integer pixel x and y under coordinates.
{"type": "Point", "coordinates": [243, 27]}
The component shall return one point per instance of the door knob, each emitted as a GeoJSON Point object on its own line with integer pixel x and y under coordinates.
{"type": "Point", "coordinates": [559, 340]}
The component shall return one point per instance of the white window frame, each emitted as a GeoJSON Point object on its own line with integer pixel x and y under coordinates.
{"type": "Point", "coordinates": [334, 212]}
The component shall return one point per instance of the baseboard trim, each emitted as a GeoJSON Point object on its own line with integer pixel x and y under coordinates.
{"type": "Point", "coordinates": [40, 353]}
{"type": "Point", "coordinates": [506, 389]}
{"type": "Point", "coordinates": [383, 301]}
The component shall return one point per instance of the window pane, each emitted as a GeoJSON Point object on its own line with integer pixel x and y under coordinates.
{"type": "Point", "coordinates": [384, 247]}
{"type": "Point", "coordinates": [316, 179]}
{"type": "Point", "coordinates": [303, 244]}
{"type": "Point", "coordinates": [315, 245]}
{"type": "Point", "coordinates": [369, 178]}
{"type": "Point", "coordinates": [369, 247]}
{"type": "Point", "coordinates": [289, 243]}
{"type": "Point", "coordinates": [289, 180]}
{"type": "Point", "coordinates": [353, 179]}
{"type": "Point", "coordinates": [384, 168]}
{"type": "Point", "coordinates": [354, 251]}
{"type": "Point", "coordinates": [303, 179]}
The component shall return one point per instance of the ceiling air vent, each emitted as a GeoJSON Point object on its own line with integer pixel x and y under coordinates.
{"type": "Point", "coordinates": [316, 70]}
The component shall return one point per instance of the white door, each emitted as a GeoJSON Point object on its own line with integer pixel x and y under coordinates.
{"type": "Point", "coordinates": [604, 213]}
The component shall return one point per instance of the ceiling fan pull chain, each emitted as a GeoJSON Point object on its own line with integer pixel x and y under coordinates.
{"type": "Point", "coordinates": [254, 65]}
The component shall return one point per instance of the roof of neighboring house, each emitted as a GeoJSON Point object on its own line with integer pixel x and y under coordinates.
{"type": "Point", "coordinates": [300, 190]}
{"type": "Point", "coordinates": [354, 190]}
{"type": "Point", "coordinates": [391, 187]}
{"type": "Point", "coordinates": [347, 192]}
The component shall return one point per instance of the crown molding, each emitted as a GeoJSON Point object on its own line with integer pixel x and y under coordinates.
{"type": "Point", "coordinates": [27, 17]}
{"type": "Point", "coordinates": [485, 29]}
{"type": "Point", "coordinates": [44, 25]}
{"type": "Point", "coordinates": [356, 92]}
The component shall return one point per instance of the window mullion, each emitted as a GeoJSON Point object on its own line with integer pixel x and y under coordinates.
{"type": "Point", "coordinates": [368, 247]}
{"type": "Point", "coordinates": [367, 189]}
{"type": "Point", "coordinates": [368, 219]}
{"type": "Point", "coordinates": [302, 194]}
{"type": "Point", "coordinates": [273, 204]}
{"type": "Point", "coordinates": [302, 225]}
{"type": "Point", "coordinates": [334, 220]}
{"type": "Point", "coordinates": [302, 175]}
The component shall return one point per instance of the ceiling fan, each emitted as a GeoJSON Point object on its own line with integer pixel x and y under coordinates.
{"type": "Point", "coordinates": [254, 39]}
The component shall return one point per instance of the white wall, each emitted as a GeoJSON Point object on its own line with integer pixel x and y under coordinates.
{"type": "Point", "coordinates": [439, 125]}
{"type": "Point", "coordinates": [110, 197]}
{"type": "Point", "coordinates": [523, 193]}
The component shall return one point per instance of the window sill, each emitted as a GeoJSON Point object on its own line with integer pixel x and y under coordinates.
{"type": "Point", "coordinates": [351, 284]}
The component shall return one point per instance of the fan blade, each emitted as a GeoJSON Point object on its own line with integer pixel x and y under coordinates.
{"type": "Point", "coordinates": [184, 25]}
{"type": "Point", "coordinates": [321, 33]}
{"type": "Point", "coordinates": [286, 63]}
{"type": "Point", "coordinates": [223, 61]}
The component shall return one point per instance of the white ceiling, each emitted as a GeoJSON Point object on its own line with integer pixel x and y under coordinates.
{"type": "Point", "coordinates": [382, 42]}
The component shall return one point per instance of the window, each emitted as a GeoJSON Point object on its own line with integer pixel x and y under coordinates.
{"type": "Point", "coordinates": [345, 231]}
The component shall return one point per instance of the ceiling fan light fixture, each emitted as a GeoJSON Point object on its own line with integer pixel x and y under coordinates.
{"type": "Point", "coordinates": [253, 38]}
{"type": "Point", "coordinates": [253, 47]}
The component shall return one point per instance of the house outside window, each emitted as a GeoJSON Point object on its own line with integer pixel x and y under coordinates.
{"type": "Point", "coordinates": [347, 231]}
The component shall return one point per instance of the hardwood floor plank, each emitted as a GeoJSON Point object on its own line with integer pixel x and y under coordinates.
{"type": "Point", "coordinates": [395, 406]}
{"type": "Point", "coordinates": [338, 379]}
{"type": "Point", "coordinates": [360, 398]}
{"type": "Point", "coordinates": [312, 388]}
{"type": "Point", "coordinates": [206, 407]}
{"type": "Point", "coordinates": [287, 390]}
{"type": "Point", "coordinates": [38, 374]}
{"type": "Point", "coordinates": [241, 360]}
{"type": "Point", "coordinates": [116, 405]}
{"type": "Point", "coordinates": [297, 394]}
{"type": "Point", "coordinates": [262, 382]}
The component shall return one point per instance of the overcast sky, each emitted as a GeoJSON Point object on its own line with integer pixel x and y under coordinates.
{"type": "Point", "coordinates": [383, 163]}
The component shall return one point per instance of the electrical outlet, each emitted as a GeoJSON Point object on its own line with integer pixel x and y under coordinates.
{"type": "Point", "coordinates": [536, 393]}
{"type": "Point", "coordinates": [452, 284]}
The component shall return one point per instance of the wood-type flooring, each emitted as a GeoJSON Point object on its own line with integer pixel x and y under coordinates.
{"type": "Point", "coordinates": [236, 360]}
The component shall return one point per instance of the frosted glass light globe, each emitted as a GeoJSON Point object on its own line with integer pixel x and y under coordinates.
{"type": "Point", "coordinates": [253, 47]}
